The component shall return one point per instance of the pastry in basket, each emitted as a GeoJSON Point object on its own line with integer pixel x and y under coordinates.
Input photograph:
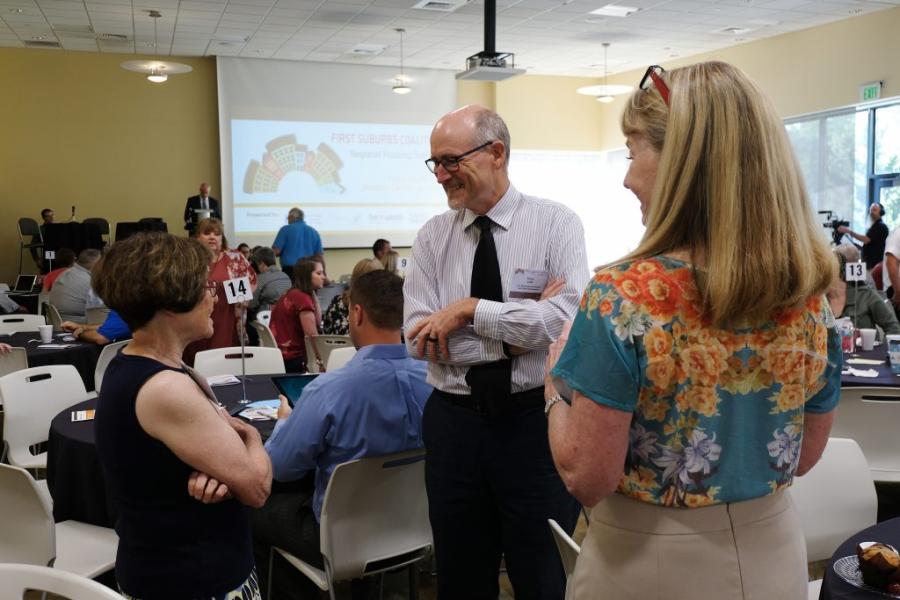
{"type": "Point", "coordinates": [878, 563]}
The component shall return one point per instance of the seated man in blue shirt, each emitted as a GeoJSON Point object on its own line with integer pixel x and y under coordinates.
{"type": "Point", "coordinates": [372, 406]}
{"type": "Point", "coordinates": [113, 329]}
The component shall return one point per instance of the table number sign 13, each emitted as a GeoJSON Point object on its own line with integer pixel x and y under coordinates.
{"type": "Point", "coordinates": [855, 271]}
{"type": "Point", "coordinates": [238, 290]}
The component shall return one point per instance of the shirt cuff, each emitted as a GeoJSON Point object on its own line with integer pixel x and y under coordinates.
{"type": "Point", "coordinates": [487, 319]}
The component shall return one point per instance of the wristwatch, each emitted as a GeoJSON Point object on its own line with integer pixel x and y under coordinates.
{"type": "Point", "coordinates": [549, 402]}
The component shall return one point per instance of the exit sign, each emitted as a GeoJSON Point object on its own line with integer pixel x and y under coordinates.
{"type": "Point", "coordinates": [870, 91]}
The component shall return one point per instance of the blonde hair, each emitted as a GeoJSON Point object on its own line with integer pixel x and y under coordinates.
{"type": "Point", "coordinates": [390, 261]}
{"type": "Point", "coordinates": [729, 190]}
{"type": "Point", "coordinates": [366, 265]}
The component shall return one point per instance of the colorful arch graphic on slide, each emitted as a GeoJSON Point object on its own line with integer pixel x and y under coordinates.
{"type": "Point", "coordinates": [284, 155]}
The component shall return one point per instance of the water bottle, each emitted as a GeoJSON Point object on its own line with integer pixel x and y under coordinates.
{"type": "Point", "coordinates": [845, 330]}
{"type": "Point", "coordinates": [893, 344]}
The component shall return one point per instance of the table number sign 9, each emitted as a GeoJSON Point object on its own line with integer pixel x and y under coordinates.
{"type": "Point", "coordinates": [855, 271]}
{"type": "Point", "coordinates": [238, 290]}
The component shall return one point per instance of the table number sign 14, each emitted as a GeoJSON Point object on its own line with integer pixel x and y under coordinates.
{"type": "Point", "coordinates": [855, 271]}
{"type": "Point", "coordinates": [238, 290]}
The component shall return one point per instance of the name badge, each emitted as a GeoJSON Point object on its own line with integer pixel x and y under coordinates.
{"type": "Point", "coordinates": [528, 283]}
{"type": "Point", "coordinates": [238, 290]}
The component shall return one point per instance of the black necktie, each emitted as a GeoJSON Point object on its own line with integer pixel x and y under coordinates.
{"type": "Point", "coordinates": [490, 382]}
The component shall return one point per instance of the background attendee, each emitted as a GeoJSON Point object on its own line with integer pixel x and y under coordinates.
{"type": "Point", "coordinates": [699, 388]}
{"type": "Point", "coordinates": [890, 268]}
{"type": "Point", "coordinates": [272, 282]}
{"type": "Point", "coordinates": [65, 258]}
{"type": "Point", "coordinates": [334, 321]}
{"type": "Point", "coordinates": [72, 293]}
{"type": "Point", "coordinates": [490, 478]}
{"type": "Point", "coordinates": [178, 466]}
{"type": "Point", "coordinates": [381, 246]}
{"type": "Point", "coordinates": [856, 299]}
{"type": "Point", "coordinates": [297, 316]}
{"type": "Point", "coordinates": [38, 253]}
{"type": "Point", "coordinates": [225, 265]}
{"type": "Point", "coordinates": [201, 201]}
{"type": "Point", "coordinates": [245, 250]}
{"type": "Point", "coordinates": [390, 260]}
{"type": "Point", "coordinates": [874, 238]}
{"type": "Point", "coordinates": [296, 240]}
{"type": "Point", "coordinates": [372, 407]}
{"type": "Point", "coordinates": [113, 329]}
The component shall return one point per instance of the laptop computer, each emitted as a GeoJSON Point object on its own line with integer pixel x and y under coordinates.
{"type": "Point", "coordinates": [24, 284]}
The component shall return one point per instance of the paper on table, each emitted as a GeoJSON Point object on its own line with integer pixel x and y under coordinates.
{"type": "Point", "coordinates": [55, 346]}
{"type": "Point", "coordinates": [860, 373]}
{"type": "Point", "coordinates": [261, 410]}
{"type": "Point", "coordinates": [222, 380]}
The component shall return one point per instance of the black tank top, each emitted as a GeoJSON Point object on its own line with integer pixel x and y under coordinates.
{"type": "Point", "coordinates": [170, 545]}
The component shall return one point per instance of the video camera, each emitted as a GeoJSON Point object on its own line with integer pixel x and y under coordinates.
{"type": "Point", "coordinates": [832, 222]}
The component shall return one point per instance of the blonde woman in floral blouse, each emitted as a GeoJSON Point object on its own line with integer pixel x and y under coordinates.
{"type": "Point", "coordinates": [703, 368]}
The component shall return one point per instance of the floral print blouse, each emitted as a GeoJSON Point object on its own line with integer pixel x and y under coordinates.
{"type": "Point", "coordinates": [718, 413]}
{"type": "Point", "coordinates": [336, 320]}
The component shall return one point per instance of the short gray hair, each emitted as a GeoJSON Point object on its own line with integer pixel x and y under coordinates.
{"type": "Point", "coordinates": [295, 213]}
{"type": "Point", "coordinates": [489, 127]}
{"type": "Point", "coordinates": [87, 257]}
{"type": "Point", "coordinates": [849, 252]}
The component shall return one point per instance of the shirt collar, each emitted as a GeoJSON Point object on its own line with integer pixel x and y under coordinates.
{"type": "Point", "coordinates": [502, 212]}
{"type": "Point", "coordinates": [390, 351]}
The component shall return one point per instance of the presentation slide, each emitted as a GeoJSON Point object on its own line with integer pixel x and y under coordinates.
{"type": "Point", "coordinates": [354, 181]}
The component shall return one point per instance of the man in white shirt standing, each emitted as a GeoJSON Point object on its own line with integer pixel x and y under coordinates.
{"type": "Point", "coordinates": [890, 270]}
{"type": "Point", "coordinates": [474, 310]}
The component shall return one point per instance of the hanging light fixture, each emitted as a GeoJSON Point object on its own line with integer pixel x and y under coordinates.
{"type": "Point", "coordinates": [156, 71]}
{"type": "Point", "coordinates": [401, 81]}
{"type": "Point", "coordinates": [605, 92]}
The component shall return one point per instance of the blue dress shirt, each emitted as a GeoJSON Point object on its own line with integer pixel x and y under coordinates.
{"type": "Point", "coordinates": [370, 407]}
{"type": "Point", "coordinates": [297, 240]}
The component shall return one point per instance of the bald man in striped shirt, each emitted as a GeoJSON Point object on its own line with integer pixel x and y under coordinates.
{"type": "Point", "coordinates": [471, 309]}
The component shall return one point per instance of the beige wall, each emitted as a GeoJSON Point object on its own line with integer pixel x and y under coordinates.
{"type": "Point", "coordinates": [77, 129]}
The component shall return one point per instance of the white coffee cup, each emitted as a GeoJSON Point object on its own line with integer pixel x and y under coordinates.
{"type": "Point", "coordinates": [46, 333]}
{"type": "Point", "coordinates": [867, 336]}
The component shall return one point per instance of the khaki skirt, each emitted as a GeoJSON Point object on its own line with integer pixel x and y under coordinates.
{"type": "Point", "coordinates": [752, 550]}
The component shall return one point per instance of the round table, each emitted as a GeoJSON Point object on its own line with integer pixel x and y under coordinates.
{"type": "Point", "coordinates": [74, 474]}
{"type": "Point", "coordinates": [81, 355]}
{"type": "Point", "coordinates": [835, 588]}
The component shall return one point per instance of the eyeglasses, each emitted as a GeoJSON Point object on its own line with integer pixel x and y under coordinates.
{"type": "Point", "coordinates": [451, 163]}
{"type": "Point", "coordinates": [654, 76]}
{"type": "Point", "coordinates": [211, 287]}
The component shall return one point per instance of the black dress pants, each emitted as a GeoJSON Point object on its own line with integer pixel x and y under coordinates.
{"type": "Point", "coordinates": [491, 487]}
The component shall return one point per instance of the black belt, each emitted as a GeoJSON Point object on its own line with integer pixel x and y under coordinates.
{"type": "Point", "coordinates": [511, 404]}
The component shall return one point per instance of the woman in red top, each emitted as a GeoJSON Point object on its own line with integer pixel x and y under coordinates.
{"type": "Point", "coordinates": [297, 315]}
{"type": "Point", "coordinates": [225, 265]}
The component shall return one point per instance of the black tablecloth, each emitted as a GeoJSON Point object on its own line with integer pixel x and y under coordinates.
{"type": "Point", "coordinates": [75, 476]}
{"type": "Point", "coordinates": [835, 588]}
{"type": "Point", "coordinates": [28, 301]}
{"type": "Point", "coordinates": [81, 355]}
{"type": "Point", "coordinates": [885, 377]}
{"type": "Point", "coordinates": [127, 228]}
{"type": "Point", "coordinates": [75, 236]}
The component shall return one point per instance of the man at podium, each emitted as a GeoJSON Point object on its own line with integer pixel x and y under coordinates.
{"type": "Point", "coordinates": [199, 207]}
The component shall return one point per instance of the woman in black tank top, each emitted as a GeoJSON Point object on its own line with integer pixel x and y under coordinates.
{"type": "Point", "coordinates": [181, 470]}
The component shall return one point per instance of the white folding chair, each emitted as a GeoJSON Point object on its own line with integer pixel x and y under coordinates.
{"type": "Point", "coordinates": [96, 315]}
{"type": "Point", "coordinates": [325, 344]}
{"type": "Point", "coordinates": [266, 337]}
{"type": "Point", "coordinates": [340, 357]}
{"type": "Point", "coordinates": [374, 519]}
{"type": "Point", "coordinates": [264, 317]}
{"type": "Point", "coordinates": [834, 500]}
{"type": "Point", "coordinates": [868, 415]}
{"type": "Point", "coordinates": [20, 322]}
{"type": "Point", "coordinates": [568, 549]}
{"type": "Point", "coordinates": [53, 316]}
{"type": "Point", "coordinates": [227, 361]}
{"type": "Point", "coordinates": [15, 579]}
{"type": "Point", "coordinates": [106, 355]}
{"type": "Point", "coordinates": [15, 360]}
{"type": "Point", "coordinates": [31, 399]}
{"type": "Point", "coordinates": [28, 534]}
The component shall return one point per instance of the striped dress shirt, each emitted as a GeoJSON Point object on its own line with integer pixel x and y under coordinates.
{"type": "Point", "coordinates": [530, 233]}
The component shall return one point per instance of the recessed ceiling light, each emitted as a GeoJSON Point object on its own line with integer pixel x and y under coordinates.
{"type": "Point", "coordinates": [614, 10]}
{"type": "Point", "coordinates": [37, 37]}
{"type": "Point", "coordinates": [18, 11]}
